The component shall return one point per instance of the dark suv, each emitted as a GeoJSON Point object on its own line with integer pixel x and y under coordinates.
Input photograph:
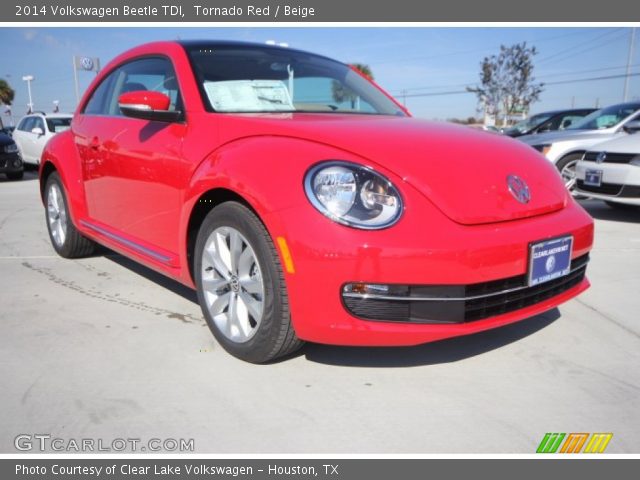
{"type": "Point", "coordinates": [10, 161]}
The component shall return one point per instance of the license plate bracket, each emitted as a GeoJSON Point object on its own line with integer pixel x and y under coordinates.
{"type": "Point", "coordinates": [593, 178]}
{"type": "Point", "coordinates": [549, 259]}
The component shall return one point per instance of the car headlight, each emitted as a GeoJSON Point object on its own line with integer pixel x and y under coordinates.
{"type": "Point", "coordinates": [11, 148]}
{"type": "Point", "coordinates": [353, 195]}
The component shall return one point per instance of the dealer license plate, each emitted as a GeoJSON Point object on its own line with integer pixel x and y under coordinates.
{"type": "Point", "coordinates": [593, 178]}
{"type": "Point", "coordinates": [549, 260]}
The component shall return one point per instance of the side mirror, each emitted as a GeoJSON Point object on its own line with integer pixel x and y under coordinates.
{"type": "Point", "coordinates": [38, 131]}
{"type": "Point", "coordinates": [632, 127]}
{"type": "Point", "coordinates": [148, 105]}
{"type": "Point", "coordinates": [566, 123]}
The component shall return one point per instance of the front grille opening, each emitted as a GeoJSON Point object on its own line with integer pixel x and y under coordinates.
{"type": "Point", "coordinates": [610, 157]}
{"type": "Point", "coordinates": [495, 298]}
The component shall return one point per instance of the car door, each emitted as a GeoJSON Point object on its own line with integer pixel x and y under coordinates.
{"type": "Point", "coordinates": [21, 136]}
{"type": "Point", "coordinates": [37, 141]}
{"type": "Point", "coordinates": [133, 169]}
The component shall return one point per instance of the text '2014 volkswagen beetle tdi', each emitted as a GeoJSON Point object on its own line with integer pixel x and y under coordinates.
{"type": "Point", "coordinates": [303, 203]}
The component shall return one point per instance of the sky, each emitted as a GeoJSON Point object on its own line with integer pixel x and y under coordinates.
{"type": "Point", "coordinates": [428, 68]}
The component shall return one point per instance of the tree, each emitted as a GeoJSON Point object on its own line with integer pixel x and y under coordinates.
{"type": "Point", "coordinates": [6, 93]}
{"type": "Point", "coordinates": [363, 69]}
{"type": "Point", "coordinates": [507, 84]}
{"type": "Point", "coordinates": [341, 93]}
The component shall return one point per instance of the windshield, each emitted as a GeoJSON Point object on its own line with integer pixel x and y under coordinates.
{"type": "Point", "coordinates": [606, 118]}
{"type": "Point", "coordinates": [264, 79]}
{"type": "Point", "coordinates": [57, 125]}
{"type": "Point", "coordinates": [529, 123]}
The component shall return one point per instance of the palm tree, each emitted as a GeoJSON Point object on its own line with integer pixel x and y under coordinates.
{"type": "Point", "coordinates": [341, 93]}
{"type": "Point", "coordinates": [363, 69]}
{"type": "Point", "coordinates": [6, 93]}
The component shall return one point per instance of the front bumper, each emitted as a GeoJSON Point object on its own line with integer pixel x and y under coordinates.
{"type": "Point", "coordinates": [620, 182]}
{"type": "Point", "coordinates": [424, 248]}
{"type": "Point", "coordinates": [10, 163]}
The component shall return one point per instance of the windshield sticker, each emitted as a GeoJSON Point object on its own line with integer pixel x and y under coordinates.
{"type": "Point", "coordinates": [249, 96]}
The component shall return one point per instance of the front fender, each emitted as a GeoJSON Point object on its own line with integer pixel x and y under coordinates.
{"type": "Point", "coordinates": [266, 171]}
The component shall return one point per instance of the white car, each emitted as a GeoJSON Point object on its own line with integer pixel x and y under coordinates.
{"type": "Point", "coordinates": [610, 171]}
{"type": "Point", "coordinates": [35, 130]}
{"type": "Point", "coordinates": [567, 147]}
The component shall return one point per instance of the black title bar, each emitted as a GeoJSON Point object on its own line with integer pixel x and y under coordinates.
{"type": "Point", "coordinates": [184, 11]}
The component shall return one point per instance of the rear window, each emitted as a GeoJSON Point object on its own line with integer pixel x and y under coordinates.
{"type": "Point", "coordinates": [57, 125]}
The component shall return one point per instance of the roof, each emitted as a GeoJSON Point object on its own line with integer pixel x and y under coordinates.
{"type": "Point", "coordinates": [233, 43]}
{"type": "Point", "coordinates": [49, 115]}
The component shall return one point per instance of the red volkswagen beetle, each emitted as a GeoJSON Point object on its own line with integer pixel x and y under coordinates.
{"type": "Point", "coordinates": [303, 202]}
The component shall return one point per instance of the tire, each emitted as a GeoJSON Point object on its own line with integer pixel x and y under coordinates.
{"type": "Point", "coordinates": [623, 206]}
{"type": "Point", "coordinates": [15, 175]}
{"type": "Point", "coordinates": [567, 168]}
{"type": "Point", "coordinates": [243, 295]}
{"type": "Point", "coordinates": [65, 238]}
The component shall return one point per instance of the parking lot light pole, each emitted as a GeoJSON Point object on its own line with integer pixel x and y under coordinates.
{"type": "Point", "coordinates": [29, 79]}
{"type": "Point", "coordinates": [632, 37]}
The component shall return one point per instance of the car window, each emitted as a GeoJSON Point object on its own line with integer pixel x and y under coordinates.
{"type": "Point", "coordinates": [314, 93]}
{"type": "Point", "coordinates": [152, 74]}
{"type": "Point", "coordinates": [59, 124]}
{"type": "Point", "coordinates": [607, 117]}
{"type": "Point", "coordinates": [531, 122]}
{"type": "Point", "coordinates": [97, 104]}
{"type": "Point", "coordinates": [568, 120]}
{"type": "Point", "coordinates": [38, 123]}
{"type": "Point", "coordinates": [25, 124]}
{"type": "Point", "coordinates": [236, 79]}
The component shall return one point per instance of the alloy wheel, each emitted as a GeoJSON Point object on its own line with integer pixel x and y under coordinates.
{"type": "Point", "coordinates": [568, 174]}
{"type": "Point", "coordinates": [57, 215]}
{"type": "Point", "coordinates": [232, 284]}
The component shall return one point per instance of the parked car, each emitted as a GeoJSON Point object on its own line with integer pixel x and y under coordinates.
{"type": "Point", "coordinates": [610, 171]}
{"type": "Point", "coordinates": [7, 130]}
{"type": "Point", "coordinates": [34, 131]}
{"type": "Point", "coordinates": [303, 203]}
{"type": "Point", "coordinates": [548, 122]}
{"type": "Point", "coordinates": [565, 148]}
{"type": "Point", "coordinates": [10, 162]}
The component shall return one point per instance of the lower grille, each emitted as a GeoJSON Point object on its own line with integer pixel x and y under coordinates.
{"type": "Point", "coordinates": [613, 189]}
{"type": "Point", "coordinates": [630, 191]}
{"type": "Point", "coordinates": [605, 188]}
{"type": "Point", "coordinates": [464, 303]}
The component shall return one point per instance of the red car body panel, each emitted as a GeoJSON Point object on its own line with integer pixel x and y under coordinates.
{"type": "Point", "coordinates": [132, 185]}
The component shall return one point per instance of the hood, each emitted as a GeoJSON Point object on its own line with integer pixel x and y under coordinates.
{"type": "Point", "coordinates": [462, 171]}
{"type": "Point", "coordinates": [564, 136]}
{"type": "Point", "coordinates": [624, 144]}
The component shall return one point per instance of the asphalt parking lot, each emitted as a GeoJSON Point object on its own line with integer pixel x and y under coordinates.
{"type": "Point", "coordinates": [104, 348]}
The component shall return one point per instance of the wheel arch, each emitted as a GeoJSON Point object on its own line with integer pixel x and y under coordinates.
{"type": "Point", "coordinates": [567, 154]}
{"type": "Point", "coordinates": [203, 205]}
{"type": "Point", "coordinates": [46, 170]}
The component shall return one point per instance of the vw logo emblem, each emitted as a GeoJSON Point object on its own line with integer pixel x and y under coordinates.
{"type": "Point", "coordinates": [602, 156]}
{"type": "Point", "coordinates": [235, 284]}
{"type": "Point", "coordinates": [86, 63]}
{"type": "Point", "coordinates": [518, 188]}
{"type": "Point", "coordinates": [550, 264]}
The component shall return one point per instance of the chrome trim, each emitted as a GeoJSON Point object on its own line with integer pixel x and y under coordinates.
{"type": "Point", "coordinates": [368, 296]}
{"type": "Point", "coordinates": [135, 106]}
{"type": "Point", "coordinates": [139, 248]}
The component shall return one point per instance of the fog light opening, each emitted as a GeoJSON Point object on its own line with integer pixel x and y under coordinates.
{"type": "Point", "coordinates": [366, 288]}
